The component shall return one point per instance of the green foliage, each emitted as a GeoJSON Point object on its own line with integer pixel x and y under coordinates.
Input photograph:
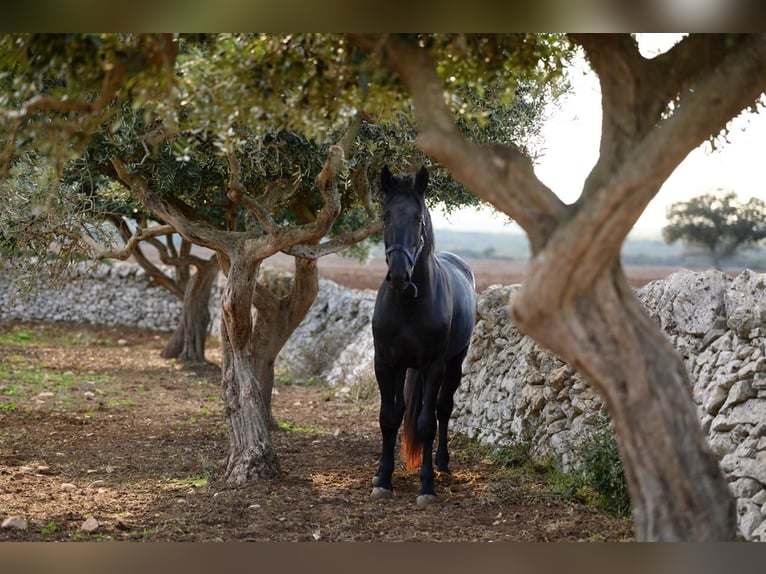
{"type": "Point", "coordinates": [290, 427]}
{"type": "Point", "coordinates": [716, 224]}
{"type": "Point", "coordinates": [49, 528]}
{"type": "Point", "coordinates": [597, 477]}
{"type": "Point", "coordinates": [172, 107]}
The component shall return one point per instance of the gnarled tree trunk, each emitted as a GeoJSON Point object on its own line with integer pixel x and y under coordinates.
{"type": "Point", "coordinates": [277, 318]}
{"type": "Point", "coordinates": [251, 453]}
{"type": "Point", "coordinates": [607, 336]}
{"type": "Point", "coordinates": [188, 341]}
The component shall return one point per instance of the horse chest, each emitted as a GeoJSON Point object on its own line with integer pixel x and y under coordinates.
{"type": "Point", "coordinates": [409, 339]}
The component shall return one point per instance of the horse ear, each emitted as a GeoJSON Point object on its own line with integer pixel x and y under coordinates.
{"type": "Point", "coordinates": [386, 178]}
{"type": "Point", "coordinates": [421, 180]}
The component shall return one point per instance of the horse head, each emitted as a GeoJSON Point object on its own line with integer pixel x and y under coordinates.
{"type": "Point", "coordinates": [406, 225]}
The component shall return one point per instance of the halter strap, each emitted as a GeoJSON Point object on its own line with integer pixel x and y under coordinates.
{"type": "Point", "coordinates": [413, 259]}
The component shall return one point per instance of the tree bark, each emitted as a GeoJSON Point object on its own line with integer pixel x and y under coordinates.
{"type": "Point", "coordinates": [251, 453]}
{"type": "Point", "coordinates": [188, 341]}
{"type": "Point", "coordinates": [277, 318]}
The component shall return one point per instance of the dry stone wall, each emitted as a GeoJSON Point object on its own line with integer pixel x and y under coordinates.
{"type": "Point", "coordinates": [120, 294]}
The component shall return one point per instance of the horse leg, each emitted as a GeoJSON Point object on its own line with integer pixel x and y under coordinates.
{"type": "Point", "coordinates": [444, 405]}
{"type": "Point", "coordinates": [426, 434]}
{"type": "Point", "coordinates": [391, 386]}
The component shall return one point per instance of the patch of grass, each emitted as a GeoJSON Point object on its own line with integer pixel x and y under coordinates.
{"type": "Point", "coordinates": [290, 427]}
{"type": "Point", "coordinates": [18, 338]}
{"type": "Point", "coordinates": [189, 482]}
{"type": "Point", "coordinates": [24, 379]}
{"type": "Point", "coordinates": [516, 454]}
{"type": "Point", "coordinates": [598, 479]}
{"type": "Point", "coordinates": [49, 528]}
{"type": "Point", "coordinates": [8, 406]}
{"type": "Point", "coordinates": [90, 537]}
{"type": "Point", "coordinates": [121, 403]}
{"type": "Point", "coordinates": [286, 379]}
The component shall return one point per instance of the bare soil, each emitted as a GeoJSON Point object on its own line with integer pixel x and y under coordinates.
{"type": "Point", "coordinates": [93, 423]}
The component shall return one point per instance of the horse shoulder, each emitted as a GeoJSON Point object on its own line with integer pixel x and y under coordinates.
{"type": "Point", "coordinates": [456, 263]}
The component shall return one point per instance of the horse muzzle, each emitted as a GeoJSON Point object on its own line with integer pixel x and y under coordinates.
{"type": "Point", "coordinates": [401, 265]}
{"type": "Point", "coordinates": [401, 282]}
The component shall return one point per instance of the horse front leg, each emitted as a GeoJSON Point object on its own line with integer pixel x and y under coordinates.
{"type": "Point", "coordinates": [391, 385]}
{"type": "Point", "coordinates": [426, 434]}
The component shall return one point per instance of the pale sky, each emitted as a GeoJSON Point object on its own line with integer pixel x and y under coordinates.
{"type": "Point", "coordinates": [571, 136]}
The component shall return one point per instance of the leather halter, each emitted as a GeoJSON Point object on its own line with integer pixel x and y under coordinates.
{"type": "Point", "coordinates": [413, 259]}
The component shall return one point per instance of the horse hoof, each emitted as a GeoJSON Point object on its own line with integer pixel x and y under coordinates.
{"type": "Point", "coordinates": [379, 493]}
{"type": "Point", "coordinates": [424, 500]}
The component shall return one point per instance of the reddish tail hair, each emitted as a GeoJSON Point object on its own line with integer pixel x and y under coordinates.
{"type": "Point", "coordinates": [412, 448]}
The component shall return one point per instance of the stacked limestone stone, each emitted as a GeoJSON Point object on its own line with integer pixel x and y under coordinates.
{"type": "Point", "coordinates": [119, 294]}
{"type": "Point", "coordinates": [515, 391]}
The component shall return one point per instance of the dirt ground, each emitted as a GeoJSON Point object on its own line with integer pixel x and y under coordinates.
{"type": "Point", "coordinates": [95, 425]}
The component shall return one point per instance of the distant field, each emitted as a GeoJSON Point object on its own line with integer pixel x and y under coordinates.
{"type": "Point", "coordinates": [501, 258]}
{"type": "Point", "coordinates": [480, 245]}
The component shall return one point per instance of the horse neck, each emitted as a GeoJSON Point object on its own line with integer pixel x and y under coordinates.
{"type": "Point", "coordinates": [425, 268]}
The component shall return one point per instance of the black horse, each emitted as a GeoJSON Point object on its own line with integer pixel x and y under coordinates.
{"type": "Point", "coordinates": [424, 315]}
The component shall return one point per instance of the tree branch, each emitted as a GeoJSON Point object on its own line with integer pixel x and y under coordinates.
{"type": "Point", "coordinates": [114, 78]}
{"type": "Point", "coordinates": [605, 216]}
{"type": "Point", "coordinates": [131, 243]}
{"type": "Point", "coordinates": [238, 194]}
{"type": "Point", "coordinates": [501, 175]}
{"type": "Point", "coordinates": [336, 244]}
{"type": "Point", "coordinates": [197, 232]}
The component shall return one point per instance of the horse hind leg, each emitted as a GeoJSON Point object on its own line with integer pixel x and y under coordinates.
{"type": "Point", "coordinates": [444, 404]}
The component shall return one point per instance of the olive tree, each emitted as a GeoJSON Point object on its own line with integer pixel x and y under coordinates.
{"type": "Point", "coordinates": [575, 299]}
{"type": "Point", "coordinates": [716, 225]}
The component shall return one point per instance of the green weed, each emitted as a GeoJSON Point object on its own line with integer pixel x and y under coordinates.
{"type": "Point", "coordinates": [189, 482]}
{"type": "Point", "coordinates": [121, 403]}
{"type": "Point", "coordinates": [49, 528]}
{"type": "Point", "coordinates": [286, 379]}
{"type": "Point", "coordinates": [290, 427]}
{"type": "Point", "coordinates": [598, 478]}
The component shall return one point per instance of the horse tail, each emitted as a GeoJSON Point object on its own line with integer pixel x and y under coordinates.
{"type": "Point", "coordinates": [412, 448]}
